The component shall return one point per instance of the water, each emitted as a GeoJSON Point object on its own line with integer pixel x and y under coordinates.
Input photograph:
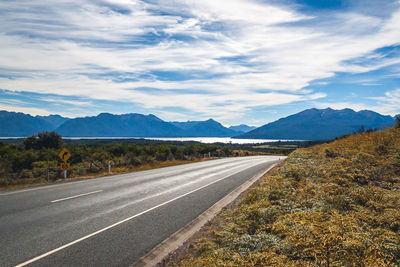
{"type": "Point", "coordinates": [206, 140]}
{"type": "Point", "coordinates": [210, 140]}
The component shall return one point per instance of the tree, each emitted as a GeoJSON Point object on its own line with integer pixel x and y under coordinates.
{"type": "Point", "coordinates": [397, 125]}
{"type": "Point", "coordinates": [362, 129]}
{"type": "Point", "coordinates": [43, 140]}
{"type": "Point", "coordinates": [49, 140]}
{"type": "Point", "coordinates": [31, 142]}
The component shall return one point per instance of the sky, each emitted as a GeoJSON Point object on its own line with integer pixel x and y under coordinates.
{"type": "Point", "coordinates": [237, 61]}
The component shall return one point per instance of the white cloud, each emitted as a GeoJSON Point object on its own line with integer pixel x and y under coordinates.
{"type": "Point", "coordinates": [388, 104]}
{"type": "Point", "coordinates": [29, 110]}
{"type": "Point", "coordinates": [66, 47]}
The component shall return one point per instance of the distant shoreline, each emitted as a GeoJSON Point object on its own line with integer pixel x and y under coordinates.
{"type": "Point", "coordinates": [206, 140]}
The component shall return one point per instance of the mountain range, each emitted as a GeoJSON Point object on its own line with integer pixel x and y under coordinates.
{"type": "Point", "coordinates": [109, 125]}
{"type": "Point", "coordinates": [320, 124]}
{"type": "Point", "coordinates": [126, 125]}
{"type": "Point", "coordinates": [14, 124]}
{"type": "Point", "coordinates": [310, 124]}
{"type": "Point", "coordinates": [208, 128]}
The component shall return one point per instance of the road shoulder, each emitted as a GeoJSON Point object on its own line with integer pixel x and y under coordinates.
{"type": "Point", "coordinates": [177, 243]}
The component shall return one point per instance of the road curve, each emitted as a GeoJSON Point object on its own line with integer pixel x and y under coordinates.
{"type": "Point", "coordinates": [113, 221]}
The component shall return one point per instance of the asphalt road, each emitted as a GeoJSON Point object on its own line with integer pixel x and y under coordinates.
{"type": "Point", "coordinates": [113, 221]}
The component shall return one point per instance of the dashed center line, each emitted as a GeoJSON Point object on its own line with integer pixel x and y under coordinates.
{"type": "Point", "coordinates": [85, 194]}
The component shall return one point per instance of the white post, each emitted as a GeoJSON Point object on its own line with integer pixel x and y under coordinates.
{"type": "Point", "coordinates": [209, 154]}
{"type": "Point", "coordinates": [65, 174]}
{"type": "Point", "coordinates": [109, 167]}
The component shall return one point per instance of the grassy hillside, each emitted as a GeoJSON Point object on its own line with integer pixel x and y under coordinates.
{"type": "Point", "coordinates": [335, 204]}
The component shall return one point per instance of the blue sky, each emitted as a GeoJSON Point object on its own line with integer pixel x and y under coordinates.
{"type": "Point", "coordinates": [237, 61]}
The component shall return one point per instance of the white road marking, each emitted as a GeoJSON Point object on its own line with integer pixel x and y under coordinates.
{"type": "Point", "coordinates": [44, 187]}
{"type": "Point", "coordinates": [80, 195]}
{"type": "Point", "coordinates": [108, 177]}
{"type": "Point", "coordinates": [120, 222]}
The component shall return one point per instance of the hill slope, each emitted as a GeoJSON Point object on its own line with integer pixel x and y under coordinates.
{"type": "Point", "coordinates": [184, 125]}
{"type": "Point", "coordinates": [320, 124]}
{"type": "Point", "coordinates": [127, 125]}
{"type": "Point", "coordinates": [53, 120]}
{"type": "Point", "coordinates": [208, 128]}
{"type": "Point", "coordinates": [242, 128]}
{"type": "Point", "coordinates": [334, 204]}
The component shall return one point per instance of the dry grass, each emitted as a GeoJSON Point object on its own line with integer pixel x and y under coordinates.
{"type": "Point", "coordinates": [334, 204]}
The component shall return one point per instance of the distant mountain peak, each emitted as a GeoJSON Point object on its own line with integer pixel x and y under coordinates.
{"type": "Point", "coordinates": [242, 128]}
{"type": "Point", "coordinates": [103, 114]}
{"type": "Point", "coordinates": [18, 124]}
{"type": "Point", "coordinates": [328, 109]}
{"type": "Point", "coordinates": [207, 128]}
{"type": "Point", "coordinates": [125, 125]}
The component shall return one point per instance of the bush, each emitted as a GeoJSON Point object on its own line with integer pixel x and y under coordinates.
{"type": "Point", "coordinates": [31, 159]}
{"type": "Point", "coordinates": [43, 140]}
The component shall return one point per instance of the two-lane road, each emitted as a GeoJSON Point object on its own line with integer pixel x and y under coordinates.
{"type": "Point", "coordinates": [113, 220]}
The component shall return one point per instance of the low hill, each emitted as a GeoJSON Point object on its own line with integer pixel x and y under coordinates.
{"type": "Point", "coordinates": [127, 125]}
{"type": "Point", "coordinates": [335, 204]}
{"type": "Point", "coordinates": [320, 124]}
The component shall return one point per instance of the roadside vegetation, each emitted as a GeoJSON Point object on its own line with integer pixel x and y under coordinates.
{"type": "Point", "coordinates": [334, 204]}
{"type": "Point", "coordinates": [275, 148]}
{"type": "Point", "coordinates": [35, 159]}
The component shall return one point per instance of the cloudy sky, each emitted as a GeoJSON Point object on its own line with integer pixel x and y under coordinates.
{"type": "Point", "coordinates": [237, 61]}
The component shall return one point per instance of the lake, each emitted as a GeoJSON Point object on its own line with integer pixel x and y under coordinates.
{"type": "Point", "coordinates": [206, 140]}
{"type": "Point", "coordinates": [210, 140]}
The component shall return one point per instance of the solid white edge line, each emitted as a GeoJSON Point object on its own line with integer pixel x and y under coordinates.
{"type": "Point", "coordinates": [80, 195]}
{"type": "Point", "coordinates": [159, 252]}
{"type": "Point", "coordinates": [120, 222]}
